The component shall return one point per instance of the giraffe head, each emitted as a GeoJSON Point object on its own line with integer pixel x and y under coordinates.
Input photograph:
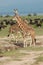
{"type": "Point", "coordinates": [16, 11]}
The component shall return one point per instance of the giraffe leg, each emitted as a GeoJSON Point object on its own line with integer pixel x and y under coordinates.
{"type": "Point", "coordinates": [12, 36]}
{"type": "Point", "coordinates": [30, 43]}
{"type": "Point", "coordinates": [24, 43]}
{"type": "Point", "coordinates": [16, 39]}
{"type": "Point", "coordinates": [33, 42]}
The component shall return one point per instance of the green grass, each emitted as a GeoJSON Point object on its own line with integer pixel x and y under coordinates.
{"type": "Point", "coordinates": [38, 60]}
{"type": "Point", "coordinates": [39, 31]}
{"type": "Point", "coordinates": [17, 54]}
{"type": "Point", "coordinates": [36, 48]}
{"type": "Point", "coordinates": [14, 53]}
{"type": "Point", "coordinates": [3, 18]}
{"type": "Point", "coordinates": [4, 32]}
{"type": "Point", "coordinates": [33, 17]}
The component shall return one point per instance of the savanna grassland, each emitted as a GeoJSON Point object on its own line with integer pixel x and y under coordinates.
{"type": "Point", "coordinates": [38, 30]}
{"type": "Point", "coordinates": [22, 56]}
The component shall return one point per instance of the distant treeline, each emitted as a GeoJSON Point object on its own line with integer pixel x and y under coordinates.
{"type": "Point", "coordinates": [35, 19]}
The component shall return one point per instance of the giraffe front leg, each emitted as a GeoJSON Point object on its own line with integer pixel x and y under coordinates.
{"type": "Point", "coordinates": [25, 43]}
{"type": "Point", "coordinates": [33, 42]}
{"type": "Point", "coordinates": [30, 42]}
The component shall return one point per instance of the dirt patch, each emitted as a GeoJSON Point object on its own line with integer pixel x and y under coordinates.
{"type": "Point", "coordinates": [28, 59]}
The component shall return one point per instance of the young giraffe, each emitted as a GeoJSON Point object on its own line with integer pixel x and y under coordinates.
{"type": "Point", "coordinates": [13, 28]}
{"type": "Point", "coordinates": [27, 30]}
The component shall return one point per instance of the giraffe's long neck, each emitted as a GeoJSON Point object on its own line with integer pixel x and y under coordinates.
{"type": "Point", "coordinates": [22, 22]}
{"type": "Point", "coordinates": [23, 25]}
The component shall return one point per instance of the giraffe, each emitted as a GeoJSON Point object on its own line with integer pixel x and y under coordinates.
{"type": "Point", "coordinates": [13, 28]}
{"type": "Point", "coordinates": [27, 30]}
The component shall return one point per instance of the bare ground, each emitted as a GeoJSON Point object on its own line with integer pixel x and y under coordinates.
{"type": "Point", "coordinates": [28, 59]}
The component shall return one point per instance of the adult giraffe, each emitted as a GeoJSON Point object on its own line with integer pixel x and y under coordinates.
{"type": "Point", "coordinates": [27, 30]}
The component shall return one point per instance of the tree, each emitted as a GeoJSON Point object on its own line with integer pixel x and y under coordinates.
{"type": "Point", "coordinates": [29, 15]}
{"type": "Point", "coordinates": [7, 15]}
{"type": "Point", "coordinates": [34, 14]}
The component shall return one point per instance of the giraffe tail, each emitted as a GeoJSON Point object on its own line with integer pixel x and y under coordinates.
{"type": "Point", "coordinates": [8, 35]}
{"type": "Point", "coordinates": [35, 40]}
